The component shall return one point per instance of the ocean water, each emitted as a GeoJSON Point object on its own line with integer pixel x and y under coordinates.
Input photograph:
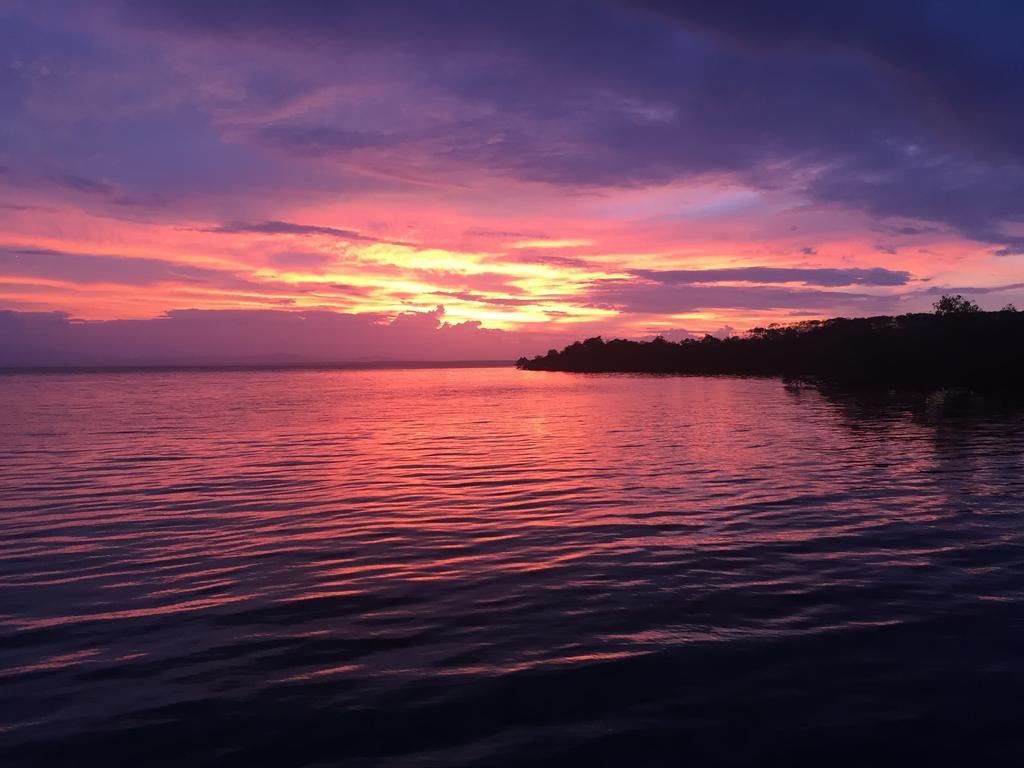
{"type": "Point", "coordinates": [487, 567]}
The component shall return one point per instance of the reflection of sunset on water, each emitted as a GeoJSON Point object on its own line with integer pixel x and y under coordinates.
{"type": "Point", "coordinates": [359, 534]}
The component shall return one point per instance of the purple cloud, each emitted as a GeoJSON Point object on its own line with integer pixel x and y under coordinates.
{"type": "Point", "coordinates": [287, 228]}
{"type": "Point", "coordinates": [827, 278]}
{"type": "Point", "coordinates": [85, 268]}
{"type": "Point", "coordinates": [217, 337]}
{"type": "Point", "coordinates": [643, 297]}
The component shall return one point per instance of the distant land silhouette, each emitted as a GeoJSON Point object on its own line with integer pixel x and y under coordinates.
{"type": "Point", "coordinates": [957, 346]}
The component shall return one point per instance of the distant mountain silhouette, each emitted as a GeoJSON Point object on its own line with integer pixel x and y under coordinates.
{"type": "Point", "coordinates": [958, 346]}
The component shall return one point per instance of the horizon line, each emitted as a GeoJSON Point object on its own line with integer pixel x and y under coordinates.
{"type": "Point", "coordinates": [240, 367]}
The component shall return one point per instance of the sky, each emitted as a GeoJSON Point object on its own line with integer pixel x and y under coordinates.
{"type": "Point", "coordinates": [442, 179]}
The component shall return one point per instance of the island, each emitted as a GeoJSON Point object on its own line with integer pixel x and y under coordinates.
{"type": "Point", "coordinates": [956, 346]}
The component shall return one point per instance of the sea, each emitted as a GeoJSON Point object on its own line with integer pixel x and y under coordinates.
{"type": "Point", "coordinates": [479, 566]}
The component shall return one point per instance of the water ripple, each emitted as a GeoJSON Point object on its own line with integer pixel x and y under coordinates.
{"type": "Point", "coordinates": [484, 567]}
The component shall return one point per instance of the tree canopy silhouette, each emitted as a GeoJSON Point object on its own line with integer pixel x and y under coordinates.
{"type": "Point", "coordinates": [955, 305]}
{"type": "Point", "coordinates": [958, 346]}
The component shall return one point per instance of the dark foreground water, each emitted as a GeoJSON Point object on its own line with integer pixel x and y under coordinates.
{"type": "Point", "coordinates": [502, 568]}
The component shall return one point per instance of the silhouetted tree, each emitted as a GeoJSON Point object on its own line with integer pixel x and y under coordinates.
{"type": "Point", "coordinates": [955, 305]}
{"type": "Point", "coordinates": [1009, 308]}
{"type": "Point", "coordinates": [959, 346]}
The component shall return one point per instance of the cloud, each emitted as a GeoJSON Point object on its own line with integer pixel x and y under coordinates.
{"type": "Point", "coordinates": [674, 297]}
{"type": "Point", "coordinates": [496, 282]}
{"type": "Point", "coordinates": [86, 268]}
{"type": "Point", "coordinates": [544, 258]}
{"type": "Point", "coordinates": [917, 111]}
{"type": "Point", "coordinates": [906, 230]}
{"type": "Point", "coordinates": [114, 271]}
{"type": "Point", "coordinates": [971, 291]}
{"type": "Point", "coordinates": [184, 337]}
{"type": "Point", "coordinates": [824, 277]}
{"type": "Point", "coordinates": [498, 301]}
{"type": "Point", "coordinates": [650, 298]}
{"type": "Point", "coordinates": [288, 228]}
{"type": "Point", "coordinates": [961, 56]}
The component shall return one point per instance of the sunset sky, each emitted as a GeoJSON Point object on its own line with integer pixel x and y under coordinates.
{"type": "Point", "coordinates": [448, 179]}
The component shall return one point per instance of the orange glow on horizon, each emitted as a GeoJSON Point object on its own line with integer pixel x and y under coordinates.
{"type": "Point", "coordinates": [481, 269]}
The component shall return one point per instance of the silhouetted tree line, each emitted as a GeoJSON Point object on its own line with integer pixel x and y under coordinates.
{"type": "Point", "coordinates": [958, 346]}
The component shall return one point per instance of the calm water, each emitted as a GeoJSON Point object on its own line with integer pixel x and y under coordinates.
{"type": "Point", "coordinates": [492, 567]}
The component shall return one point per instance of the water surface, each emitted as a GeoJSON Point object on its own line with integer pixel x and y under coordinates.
{"type": "Point", "coordinates": [490, 567]}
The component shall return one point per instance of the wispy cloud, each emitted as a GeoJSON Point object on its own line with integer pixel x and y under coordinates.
{"type": "Point", "coordinates": [291, 228]}
{"type": "Point", "coordinates": [825, 277]}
